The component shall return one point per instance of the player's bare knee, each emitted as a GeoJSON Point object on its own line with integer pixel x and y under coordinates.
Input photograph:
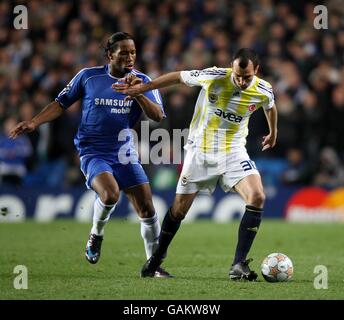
{"type": "Point", "coordinates": [109, 197]}
{"type": "Point", "coordinates": [257, 199]}
{"type": "Point", "coordinates": [178, 213]}
{"type": "Point", "coordinates": [146, 210]}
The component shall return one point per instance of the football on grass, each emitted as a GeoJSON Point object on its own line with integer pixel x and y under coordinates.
{"type": "Point", "coordinates": [277, 267]}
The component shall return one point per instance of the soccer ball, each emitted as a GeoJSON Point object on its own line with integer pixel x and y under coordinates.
{"type": "Point", "coordinates": [277, 267]}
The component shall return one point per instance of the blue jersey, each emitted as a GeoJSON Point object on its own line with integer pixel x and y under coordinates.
{"type": "Point", "coordinates": [104, 112]}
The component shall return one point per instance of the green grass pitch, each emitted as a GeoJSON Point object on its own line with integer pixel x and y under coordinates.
{"type": "Point", "coordinates": [199, 257]}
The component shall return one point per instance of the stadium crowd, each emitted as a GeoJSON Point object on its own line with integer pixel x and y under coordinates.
{"type": "Point", "coordinates": [305, 66]}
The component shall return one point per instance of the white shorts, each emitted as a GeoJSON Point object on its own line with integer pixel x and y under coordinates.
{"type": "Point", "coordinates": [202, 172]}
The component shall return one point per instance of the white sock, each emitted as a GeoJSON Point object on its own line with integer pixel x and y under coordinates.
{"type": "Point", "coordinates": [101, 216]}
{"type": "Point", "coordinates": [150, 231]}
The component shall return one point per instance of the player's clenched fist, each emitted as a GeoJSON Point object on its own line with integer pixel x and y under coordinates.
{"type": "Point", "coordinates": [126, 82]}
{"type": "Point", "coordinates": [22, 127]}
{"type": "Point", "coordinates": [132, 80]}
{"type": "Point", "coordinates": [128, 85]}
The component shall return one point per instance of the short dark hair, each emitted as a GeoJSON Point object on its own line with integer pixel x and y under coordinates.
{"type": "Point", "coordinates": [111, 43]}
{"type": "Point", "coordinates": [245, 55]}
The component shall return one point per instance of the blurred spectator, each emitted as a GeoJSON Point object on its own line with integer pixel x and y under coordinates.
{"type": "Point", "coordinates": [298, 170]}
{"type": "Point", "coordinates": [13, 155]}
{"type": "Point", "coordinates": [27, 112]}
{"type": "Point", "coordinates": [330, 172]}
{"type": "Point", "coordinates": [335, 131]}
{"type": "Point", "coordinates": [313, 127]}
{"type": "Point", "coordinates": [304, 65]}
{"type": "Point", "coordinates": [197, 56]}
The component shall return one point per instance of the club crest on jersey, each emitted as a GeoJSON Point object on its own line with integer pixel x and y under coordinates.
{"type": "Point", "coordinates": [252, 107]}
{"type": "Point", "coordinates": [184, 180]}
{"type": "Point", "coordinates": [213, 97]}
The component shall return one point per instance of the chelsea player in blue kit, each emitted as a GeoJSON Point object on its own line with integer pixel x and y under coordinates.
{"type": "Point", "coordinates": [105, 114]}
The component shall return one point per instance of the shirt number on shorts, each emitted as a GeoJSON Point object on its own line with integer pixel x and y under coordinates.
{"type": "Point", "coordinates": [248, 165]}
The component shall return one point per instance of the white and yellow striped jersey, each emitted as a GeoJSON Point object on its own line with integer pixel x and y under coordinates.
{"type": "Point", "coordinates": [222, 110]}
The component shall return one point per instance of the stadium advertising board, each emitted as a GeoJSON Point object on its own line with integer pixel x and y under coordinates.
{"type": "Point", "coordinates": [47, 204]}
{"type": "Point", "coordinates": [315, 204]}
{"type": "Point", "coordinates": [310, 204]}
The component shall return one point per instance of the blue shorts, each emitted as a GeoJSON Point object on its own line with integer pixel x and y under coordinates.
{"type": "Point", "coordinates": [128, 175]}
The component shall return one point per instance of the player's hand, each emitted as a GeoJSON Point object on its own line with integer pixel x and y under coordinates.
{"type": "Point", "coordinates": [22, 127]}
{"type": "Point", "coordinates": [130, 85]}
{"type": "Point", "coordinates": [269, 141]}
{"type": "Point", "coordinates": [132, 80]}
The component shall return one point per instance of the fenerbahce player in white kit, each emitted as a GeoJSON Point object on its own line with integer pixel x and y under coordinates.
{"type": "Point", "coordinates": [216, 150]}
{"type": "Point", "coordinates": [105, 114]}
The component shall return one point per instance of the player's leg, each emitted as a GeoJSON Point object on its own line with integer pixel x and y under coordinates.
{"type": "Point", "coordinates": [172, 221]}
{"type": "Point", "coordinates": [133, 180]}
{"type": "Point", "coordinates": [107, 196]}
{"type": "Point", "coordinates": [251, 190]}
{"type": "Point", "coordinates": [169, 228]}
{"type": "Point", "coordinates": [99, 178]}
{"type": "Point", "coordinates": [194, 178]}
{"type": "Point", "coordinates": [107, 190]}
{"type": "Point", "coordinates": [141, 198]}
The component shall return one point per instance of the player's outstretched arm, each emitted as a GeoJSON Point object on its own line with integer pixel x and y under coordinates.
{"type": "Point", "coordinates": [151, 109]}
{"type": "Point", "coordinates": [269, 141]}
{"type": "Point", "coordinates": [52, 111]}
{"type": "Point", "coordinates": [165, 80]}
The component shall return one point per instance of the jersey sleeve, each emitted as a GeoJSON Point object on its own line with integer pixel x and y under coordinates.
{"type": "Point", "coordinates": [72, 92]}
{"type": "Point", "coordinates": [200, 77]}
{"type": "Point", "coordinates": [154, 95]}
{"type": "Point", "coordinates": [270, 101]}
{"type": "Point", "coordinates": [265, 88]}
